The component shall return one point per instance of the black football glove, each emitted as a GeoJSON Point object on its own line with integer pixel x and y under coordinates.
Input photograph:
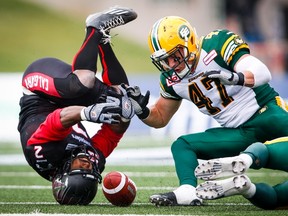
{"type": "Point", "coordinates": [139, 101]}
{"type": "Point", "coordinates": [102, 113]}
{"type": "Point", "coordinates": [226, 77]}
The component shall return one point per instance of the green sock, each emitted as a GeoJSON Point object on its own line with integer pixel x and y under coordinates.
{"type": "Point", "coordinates": [185, 162]}
{"type": "Point", "coordinates": [282, 194]}
{"type": "Point", "coordinates": [265, 197]}
{"type": "Point", "coordinates": [259, 153]}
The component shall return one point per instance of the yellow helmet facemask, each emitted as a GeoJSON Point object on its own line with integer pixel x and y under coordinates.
{"type": "Point", "coordinates": [174, 37]}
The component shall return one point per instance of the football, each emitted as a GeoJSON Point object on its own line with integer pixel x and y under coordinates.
{"type": "Point", "coordinates": [119, 189]}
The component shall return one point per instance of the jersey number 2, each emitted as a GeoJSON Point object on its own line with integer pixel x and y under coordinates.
{"type": "Point", "coordinates": [37, 150]}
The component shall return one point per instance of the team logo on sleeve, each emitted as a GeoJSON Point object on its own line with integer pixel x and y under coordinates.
{"type": "Point", "coordinates": [173, 80]}
{"type": "Point", "coordinates": [238, 40]}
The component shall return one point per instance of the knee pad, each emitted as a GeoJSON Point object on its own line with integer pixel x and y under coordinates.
{"type": "Point", "coordinates": [179, 145]}
{"type": "Point", "coordinates": [258, 151]}
{"type": "Point", "coordinates": [174, 146]}
{"type": "Point", "coordinates": [70, 86]}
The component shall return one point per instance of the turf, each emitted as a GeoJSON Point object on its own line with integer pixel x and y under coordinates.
{"type": "Point", "coordinates": [28, 32]}
{"type": "Point", "coordinates": [149, 180]}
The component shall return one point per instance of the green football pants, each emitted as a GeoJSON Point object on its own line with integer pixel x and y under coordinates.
{"type": "Point", "coordinates": [268, 123]}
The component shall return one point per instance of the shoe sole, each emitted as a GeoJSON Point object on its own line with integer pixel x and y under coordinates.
{"type": "Point", "coordinates": [214, 169]}
{"type": "Point", "coordinates": [166, 202]}
{"type": "Point", "coordinates": [161, 202]}
{"type": "Point", "coordinates": [112, 18]}
{"type": "Point", "coordinates": [228, 187]}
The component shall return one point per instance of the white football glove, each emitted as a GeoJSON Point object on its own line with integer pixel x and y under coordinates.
{"type": "Point", "coordinates": [102, 113]}
{"type": "Point", "coordinates": [226, 77]}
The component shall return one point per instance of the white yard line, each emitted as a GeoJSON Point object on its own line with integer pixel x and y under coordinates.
{"type": "Point", "coordinates": [44, 187]}
{"type": "Point", "coordinates": [41, 214]}
{"type": "Point", "coordinates": [134, 156]}
{"type": "Point", "coordinates": [130, 174]}
{"type": "Point", "coordinates": [147, 174]}
{"type": "Point", "coordinates": [104, 204]}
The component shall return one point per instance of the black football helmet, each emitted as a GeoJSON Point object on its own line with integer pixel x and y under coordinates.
{"type": "Point", "coordinates": [77, 186]}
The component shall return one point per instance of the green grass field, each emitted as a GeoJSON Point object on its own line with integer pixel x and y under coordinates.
{"type": "Point", "coordinates": [23, 191]}
{"type": "Point", "coordinates": [29, 31]}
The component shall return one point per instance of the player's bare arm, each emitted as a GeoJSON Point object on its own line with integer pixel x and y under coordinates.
{"type": "Point", "coordinates": [161, 112]}
{"type": "Point", "coordinates": [70, 115]}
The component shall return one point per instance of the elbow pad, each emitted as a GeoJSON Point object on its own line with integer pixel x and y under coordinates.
{"type": "Point", "coordinates": [260, 71]}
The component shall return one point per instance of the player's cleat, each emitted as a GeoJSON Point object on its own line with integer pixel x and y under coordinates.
{"type": "Point", "coordinates": [165, 199]}
{"type": "Point", "coordinates": [236, 185]}
{"type": "Point", "coordinates": [222, 167]}
{"type": "Point", "coordinates": [169, 199]}
{"type": "Point", "coordinates": [111, 18]}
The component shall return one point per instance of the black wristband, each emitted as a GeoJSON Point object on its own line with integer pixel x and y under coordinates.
{"type": "Point", "coordinates": [144, 114]}
{"type": "Point", "coordinates": [241, 79]}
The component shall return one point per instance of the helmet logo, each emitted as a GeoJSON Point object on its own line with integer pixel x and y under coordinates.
{"type": "Point", "coordinates": [238, 40]}
{"type": "Point", "coordinates": [184, 32]}
{"type": "Point", "coordinates": [58, 185]}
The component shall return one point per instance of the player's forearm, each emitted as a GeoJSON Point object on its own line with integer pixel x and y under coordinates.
{"type": "Point", "coordinates": [161, 112]}
{"type": "Point", "coordinates": [120, 128]}
{"type": "Point", "coordinates": [70, 115]}
{"type": "Point", "coordinates": [248, 79]}
{"type": "Point", "coordinates": [155, 119]}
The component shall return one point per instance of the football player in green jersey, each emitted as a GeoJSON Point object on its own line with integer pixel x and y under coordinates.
{"type": "Point", "coordinates": [219, 75]}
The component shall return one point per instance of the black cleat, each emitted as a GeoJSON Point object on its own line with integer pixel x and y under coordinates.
{"type": "Point", "coordinates": [169, 199]}
{"type": "Point", "coordinates": [111, 18]}
{"type": "Point", "coordinates": [165, 199]}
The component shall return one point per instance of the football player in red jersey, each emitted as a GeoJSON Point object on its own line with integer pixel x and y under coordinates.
{"type": "Point", "coordinates": [58, 96]}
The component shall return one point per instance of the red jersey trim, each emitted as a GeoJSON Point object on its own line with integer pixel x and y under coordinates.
{"type": "Point", "coordinates": [82, 47]}
{"type": "Point", "coordinates": [105, 77]}
{"type": "Point", "coordinates": [38, 81]}
{"type": "Point", "coordinates": [106, 140]}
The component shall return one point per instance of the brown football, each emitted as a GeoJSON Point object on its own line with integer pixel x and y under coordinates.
{"type": "Point", "coordinates": [119, 189]}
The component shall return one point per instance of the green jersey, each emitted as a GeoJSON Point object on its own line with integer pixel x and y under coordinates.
{"type": "Point", "coordinates": [229, 105]}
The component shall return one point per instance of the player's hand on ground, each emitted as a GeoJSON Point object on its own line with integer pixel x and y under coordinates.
{"type": "Point", "coordinates": [139, 101]}
{"type": "Point", "coordinates": [226, 77]}
{"type": "Point", "coordinates": [102, 113]}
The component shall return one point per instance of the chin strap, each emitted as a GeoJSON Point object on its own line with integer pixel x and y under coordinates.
{"type": "Point", "coordinates": [185, 71]}
{"type": "Point", "coordinates": [188, 66]}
